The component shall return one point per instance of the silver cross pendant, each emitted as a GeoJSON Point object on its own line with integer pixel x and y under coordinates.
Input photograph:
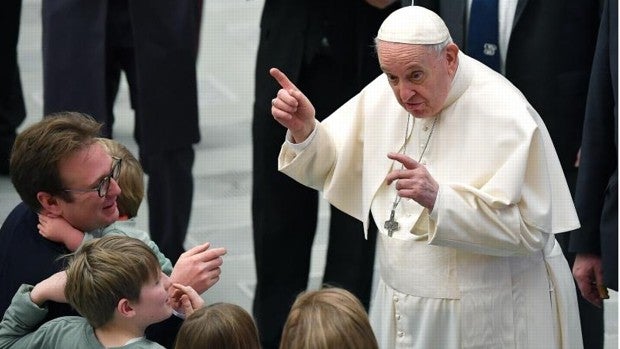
{"type": "Point", "coordinates": [391, 225]}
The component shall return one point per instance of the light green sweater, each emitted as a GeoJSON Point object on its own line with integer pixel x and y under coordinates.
{"type": "Point", "coordinates": [18, 328]}
{"type": "Point", "coordinates": [128, 228]}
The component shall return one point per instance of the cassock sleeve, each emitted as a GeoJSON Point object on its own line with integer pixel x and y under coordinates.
{"type": "Point", "coordinates": [513, 213]}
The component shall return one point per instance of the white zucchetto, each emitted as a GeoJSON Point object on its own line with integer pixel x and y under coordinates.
{"type": "Point", "coordinates": [413, 25]}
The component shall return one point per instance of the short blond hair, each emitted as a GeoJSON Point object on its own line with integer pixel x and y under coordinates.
{"type": "Point", "coordinates": [329, 318]}
{"type": "Point", "coordinates": [103, 271]}
{"type": "Point", "coordinates": [220, 325]}
{"type": "Point", "coordinates": [131, 178]}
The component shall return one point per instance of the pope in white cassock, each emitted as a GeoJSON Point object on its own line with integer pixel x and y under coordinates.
{"type": "Point", "coordinates": [458, 172]}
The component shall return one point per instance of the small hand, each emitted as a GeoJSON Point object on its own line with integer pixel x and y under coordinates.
{"type": "Point", "coordinates": [413, 181]}
{"type": "Point", "coordinates": [185, 299]}
{"type": "Point", "coordinates": [57, 229]}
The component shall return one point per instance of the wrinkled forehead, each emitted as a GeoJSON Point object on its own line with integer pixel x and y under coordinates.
{"type": "Point", "coordinates": [403, 48]}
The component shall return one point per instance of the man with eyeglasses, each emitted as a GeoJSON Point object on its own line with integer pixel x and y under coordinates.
{"type": "Point", "coordinates": [104, 183]}
{"type": "Point", "coordinates": [59, 169]}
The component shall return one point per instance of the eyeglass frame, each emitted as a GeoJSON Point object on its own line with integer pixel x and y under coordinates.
{"type": "Point", "coordinates": [104, 184]}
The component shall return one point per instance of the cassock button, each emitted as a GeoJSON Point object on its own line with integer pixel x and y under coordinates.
{"type": "Point", "coordinates": [397, 316]}
{"type": "Point", "coordinates": [395, 299]}
{"type": "Point", "coordinates": [401, 333]}
{"type": "Point", "coordinates": [426, 128]}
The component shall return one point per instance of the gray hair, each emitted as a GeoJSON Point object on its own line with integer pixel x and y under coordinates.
{"type": "Point", "coordinates": [440, 46]}
{"type": "Point", "coordinates": [432, 47]}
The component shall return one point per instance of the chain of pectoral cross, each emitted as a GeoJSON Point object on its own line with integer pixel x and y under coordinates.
{"type": "Point", "coordinates": [391, 224]}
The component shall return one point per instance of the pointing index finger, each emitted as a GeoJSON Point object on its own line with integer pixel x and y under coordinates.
{"type": "Point", "coordinates": [282, 79]}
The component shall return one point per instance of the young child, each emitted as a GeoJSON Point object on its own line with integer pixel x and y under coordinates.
{"type": "Point", "coordinates": [220, 325]}
{"type": "Point", "coordinates": [130, 179]}
{"type": "Point", "coordinates": [329, 318]}
{"type": "Point", "coordinates": [114, 282]}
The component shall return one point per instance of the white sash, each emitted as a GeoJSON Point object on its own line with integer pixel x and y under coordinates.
{"type": "Point", "coordinates": [417, 268]}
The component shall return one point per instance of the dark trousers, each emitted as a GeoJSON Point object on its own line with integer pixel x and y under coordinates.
{"type": "Point", "coordinates": [170, 187]}
{"type": "Point", "coordinates": [284, 215]}
{"type": "Point", "coordinates": [591, 317]}
{"type": "Point", "coordinates": [12, 109]}
{"type": "Point", "coordinates": [170, 192]}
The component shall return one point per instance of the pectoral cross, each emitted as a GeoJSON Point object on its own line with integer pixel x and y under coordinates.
{"type": "Point", "coordinates": [391, 224]}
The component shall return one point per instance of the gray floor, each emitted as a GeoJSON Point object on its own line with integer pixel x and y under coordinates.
{"type": "Point", "coordinates": [221, 209]}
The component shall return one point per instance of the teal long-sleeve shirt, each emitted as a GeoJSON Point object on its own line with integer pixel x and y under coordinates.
{"type": "Point", "coordinates": [18, 328]}
{"type": "Point", "coordinates": [128, 228]}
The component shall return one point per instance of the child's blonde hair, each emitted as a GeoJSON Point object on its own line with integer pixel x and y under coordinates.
{"type": "Point", "coordinates": [104, 271]}
{"type": "Point", "coordinates": [218, 326]}
{"type": "Point", "coordinates": [329, 318]}
{"type": "Point", "coordinates": [131, 178]}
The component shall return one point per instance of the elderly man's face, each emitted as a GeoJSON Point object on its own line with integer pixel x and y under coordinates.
{"type": "Point", "coordinates": [84, 170]}
{"type": "Point", "coordinates": [419, 76]}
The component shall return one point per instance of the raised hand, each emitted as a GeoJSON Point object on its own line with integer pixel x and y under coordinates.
{"type": "Point", "coordinates": [185, 299]}
{"type": "Point", "coordinates": [291, 108]}
{"type": "Point", "coordinates": [413, 181]}
{"type": "Point", "coordinates": [199, 267]}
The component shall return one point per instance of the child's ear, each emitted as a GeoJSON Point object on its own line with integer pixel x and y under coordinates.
{"type": "Point", "coordinates": [49, 203]}
{"type": "Point", "coordinates": [125, 309]}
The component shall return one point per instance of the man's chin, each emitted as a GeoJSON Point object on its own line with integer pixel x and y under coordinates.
{"type": "Point", "coordinates": [111, 216]}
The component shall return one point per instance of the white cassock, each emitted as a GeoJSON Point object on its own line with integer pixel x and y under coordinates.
{"type": "Point", "coordinates": [483, 270]}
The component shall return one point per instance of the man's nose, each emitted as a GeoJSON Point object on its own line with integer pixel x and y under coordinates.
{"type": "Point", "coordinates": [114, 189]}
{"type": "Point", "coordinates": [405, 91]}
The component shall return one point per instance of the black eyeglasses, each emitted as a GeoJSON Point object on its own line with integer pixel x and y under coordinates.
{"type": "Point", "coordinates": [104, 184]}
